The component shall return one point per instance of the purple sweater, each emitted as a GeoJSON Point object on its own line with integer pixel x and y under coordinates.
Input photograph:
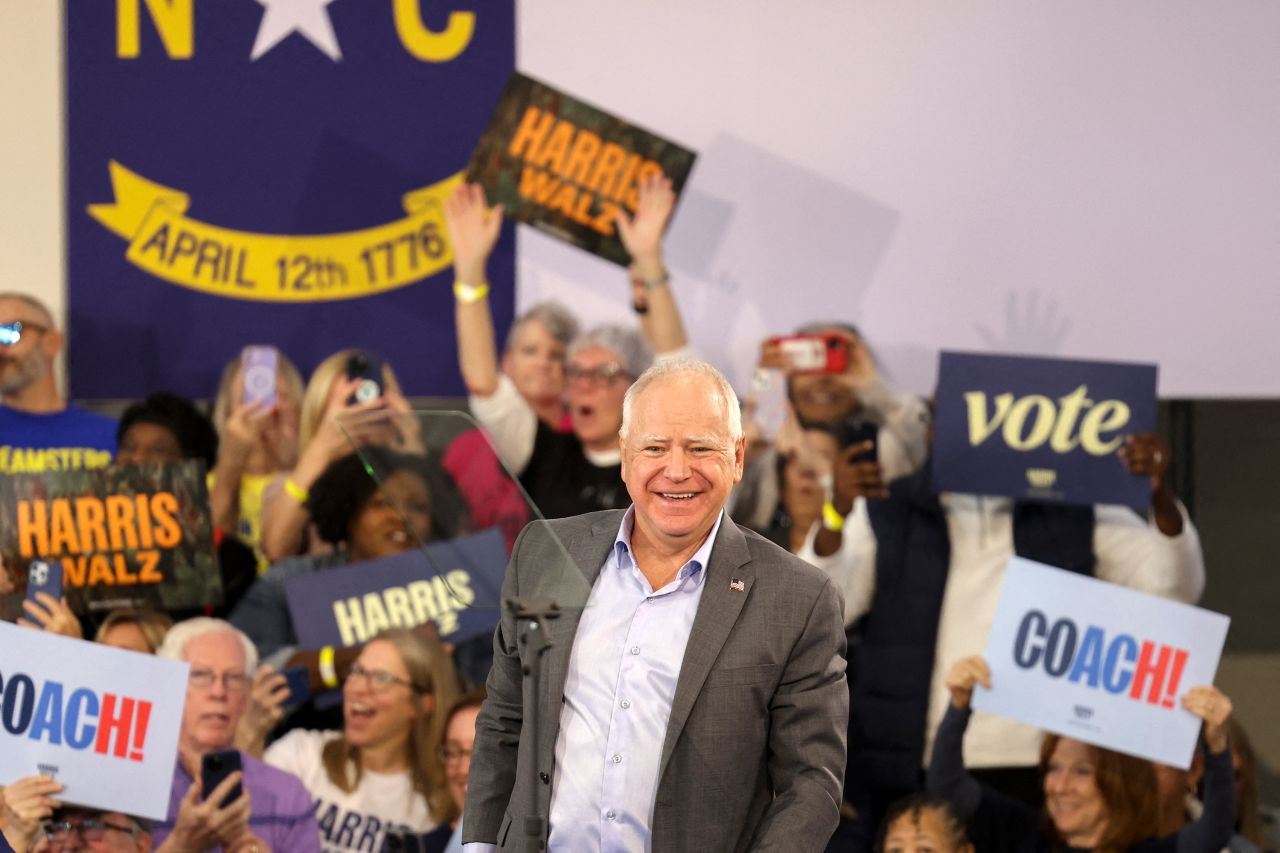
{"type": "Point", "coordinates": [281, 808]}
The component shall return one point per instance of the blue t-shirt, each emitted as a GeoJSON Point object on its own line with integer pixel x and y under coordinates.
{"type": "Point", "coordinates": [63, 441]}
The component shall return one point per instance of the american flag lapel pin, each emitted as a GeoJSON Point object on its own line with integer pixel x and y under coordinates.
{"type": "Point", "coordinates": [737, 585]}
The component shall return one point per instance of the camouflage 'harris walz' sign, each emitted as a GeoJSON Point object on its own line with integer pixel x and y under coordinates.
{"type": "Point", "coordinates": [567, 167]}
{"type": "Point", "coordinates": [126, 536]}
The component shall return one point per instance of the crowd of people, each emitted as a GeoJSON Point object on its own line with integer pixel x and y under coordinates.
{"type": "Point", "coordinates": [377, 756]}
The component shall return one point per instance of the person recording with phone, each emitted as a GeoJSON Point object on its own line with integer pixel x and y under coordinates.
{"type": "Point", "coordinates": [256, 413]}
{"type": "Point", "coordinates": [353, 398]}
{"type": "Point", "coordinates": [833, 384]}
{"type": "Point", "coordinates": [221, 798]}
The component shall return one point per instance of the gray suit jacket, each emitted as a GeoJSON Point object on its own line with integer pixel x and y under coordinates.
{"type": "Point", "coordinates": [755, 751]}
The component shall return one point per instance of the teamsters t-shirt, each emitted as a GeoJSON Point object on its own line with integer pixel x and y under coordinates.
{"type": "Point", "coordinates": [62, 441]}
{"type": "Point", "coordinates": [351, 821]}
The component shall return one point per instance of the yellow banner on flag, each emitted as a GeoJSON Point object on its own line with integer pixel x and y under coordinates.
{"type": "Point", "coordinates": [168, 244]}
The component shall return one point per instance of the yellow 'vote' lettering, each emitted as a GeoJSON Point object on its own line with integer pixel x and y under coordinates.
{"type": "Point", "coordinates": [1027, 423]}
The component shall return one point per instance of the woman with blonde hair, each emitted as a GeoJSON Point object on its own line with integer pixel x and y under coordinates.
{"type": "Point", "coordinates": [136, 630]}
{"type": "Point", "coordinates": [331, 419]}
{"type": "Point", "coordinates": [257, 441]}
{"type": "Point", "coordinates": [382, 774]}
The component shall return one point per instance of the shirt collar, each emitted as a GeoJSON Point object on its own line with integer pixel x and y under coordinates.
{"type": "Point", "coordinates": [622, 545]}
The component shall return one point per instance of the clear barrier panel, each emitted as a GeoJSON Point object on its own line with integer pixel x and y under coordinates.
{"type": "Point", "coordinates": [450, 513]}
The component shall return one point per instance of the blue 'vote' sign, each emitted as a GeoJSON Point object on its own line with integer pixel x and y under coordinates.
{"type": "Point", "coordinates": [1041, 428]}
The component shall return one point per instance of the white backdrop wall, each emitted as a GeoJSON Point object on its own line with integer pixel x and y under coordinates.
{"type": "Point", "coordinates": [1085, 179]}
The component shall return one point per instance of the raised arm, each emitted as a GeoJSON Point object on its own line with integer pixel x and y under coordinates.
{"type": "Point", "coordinates": [651, 293]}
{"type": "Point", "coordinates": [473, 231]}
{"type": "Point", "coordinates": [1212, 830]}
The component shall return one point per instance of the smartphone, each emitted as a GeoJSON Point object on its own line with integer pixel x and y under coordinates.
{"type": "Point", "coordinates": [813, 353]}
{"type": "Point", "coordinates": [299, 679]}
{"type": "Point", "coordinates": [851, 432]}
{"type": "Point", "coordinates": [44, 576]}
{"type": "Point", "coordinates": [367, 367]}
{"type": "Point", "coordinates": [215, 767]}
{"type": "Point", "coordinates": [259, 365]}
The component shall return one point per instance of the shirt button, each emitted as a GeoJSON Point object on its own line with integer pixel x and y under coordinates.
{"type": "Point", "coordinates": [635, 650]}
{"type": "Point", "coordinates": [611, 815]}
{"type": "Point", "coordinates": [617, 759]}
{"type": "Point", "coordinates": [626, 703]}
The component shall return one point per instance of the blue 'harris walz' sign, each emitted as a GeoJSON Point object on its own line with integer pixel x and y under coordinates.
{"type": "Point", "coordinates": [455, 584]}
{"type": "Point", "coordinates": [1041, 428]}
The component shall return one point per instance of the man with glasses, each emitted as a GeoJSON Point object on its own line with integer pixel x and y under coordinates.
{"type": "Point", "coordinates": [39, 431]}
{"type": "Point", "coordinates": [274, 810]}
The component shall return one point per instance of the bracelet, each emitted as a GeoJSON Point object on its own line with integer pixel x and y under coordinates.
{"type": "Point", "coordinates": [295, 491]}
{"type": "Point", "coordinates": [328, 673]}
{"type": "Point", "coordinates": [657, 281]}
{"type": "Point", "coordinates": [831, 518]}
{"type": "Point", "coordinates": [468, 293]}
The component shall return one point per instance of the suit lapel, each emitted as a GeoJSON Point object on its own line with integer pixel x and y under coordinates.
{"type": "Point", "coordinates": [718, 612]}
{"type": "Point", "coordinates": [588, 552]}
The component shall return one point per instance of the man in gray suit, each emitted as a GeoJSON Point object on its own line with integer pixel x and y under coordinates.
{"type": "Point", "coordinates": [698, 700]}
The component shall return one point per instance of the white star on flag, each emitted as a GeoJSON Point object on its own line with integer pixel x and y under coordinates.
{"type": "Point", "coordinates": [308, 18]}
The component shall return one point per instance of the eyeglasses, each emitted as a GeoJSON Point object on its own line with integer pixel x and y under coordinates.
{"type": "Point", "coordinates": [11, 333]}
{"type": "Point", "coordinates": [379, 679]}
{"type": "Point", "coordinates": [454, 753]}
{"type": "Point", "coordinates": [597, 376]}
{"type": "Point", "coordinates": [62, 833]}
{"type": "Point", "coordinates": [203, 679]}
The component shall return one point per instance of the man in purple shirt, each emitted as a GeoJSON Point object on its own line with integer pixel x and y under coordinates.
{"type": "Point", "coordinates": [274, 810]}
{"type": "Point", "coordinates": [698, 699]}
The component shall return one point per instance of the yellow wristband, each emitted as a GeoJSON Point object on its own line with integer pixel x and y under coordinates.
{"type": "Point", "coordinates": [295, 491]}
{"type": "Point", "coordinates": [831, 518]}
{"type": "Point", "coordinates": [328, 673]}
{"type": "Point", "coordinates": [469, 293]}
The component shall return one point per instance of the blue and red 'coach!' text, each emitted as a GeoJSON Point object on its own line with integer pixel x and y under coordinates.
{"type": "Point", "coordinates": [1147, 671]}
{"type": "Point", "coordinates": [108, 724]}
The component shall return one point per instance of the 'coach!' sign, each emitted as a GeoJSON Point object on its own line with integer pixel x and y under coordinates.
{"type": "Point", "coordinates": [1040, 428]}
{"type": "Point", "coordinates": [455, 584]}
{"type": "Point", "coordinates": [125, 536]}
{"type": "Point", "coordinates": [1099, 662]}
{"type": "Point", "coordinates": [102, 721]}
{"type": "Point", "coordinates": [568, 168]}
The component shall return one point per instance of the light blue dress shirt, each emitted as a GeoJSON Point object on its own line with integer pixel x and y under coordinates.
{"type": "Point", "coordinates": [622, 676]}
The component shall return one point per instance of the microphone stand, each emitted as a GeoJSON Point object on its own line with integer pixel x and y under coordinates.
{"type": "Point", "coordinates": [534, 638]}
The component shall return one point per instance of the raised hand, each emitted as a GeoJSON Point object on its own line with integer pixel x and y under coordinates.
{"type": "Point", "coordinates": [265, 708]}
{"type": "Point", "coordinates": [963, 676]}
{"type": "Point", "coordinates": [473, 230]}
{"type": "Point", "coordinates": [47, 613]}
{"type": "Point", "coordinates": [1213, 707]}
{"type": "Point", "coordinates": [641, 235]}
{"type": "Point", "coordinates": [855, 477]}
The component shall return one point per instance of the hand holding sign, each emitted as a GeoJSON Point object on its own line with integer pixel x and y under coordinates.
{"type": "Point", "coordinates": [24, 805]}
{"type": "Point", "coordinates": [963, 676]}
{"type": "Point", "coordinates": [1211, 705]}
{"type": "Point", "coordinates": [473, 230]}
